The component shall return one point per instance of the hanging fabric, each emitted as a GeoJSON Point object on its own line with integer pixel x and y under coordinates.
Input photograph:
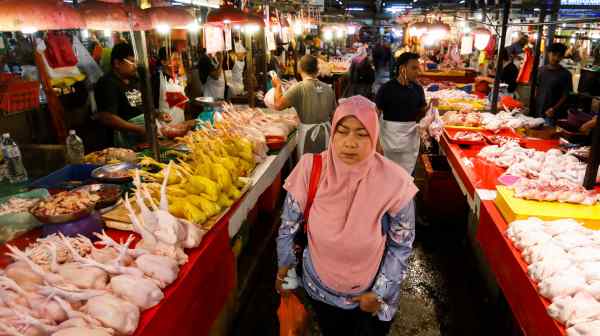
{"type": "Point", "coordinates": [526, 68]}
{"type": "Point", "coordinates": [466, 45]}
{"type": "Point", "coordinates": [59, 51]}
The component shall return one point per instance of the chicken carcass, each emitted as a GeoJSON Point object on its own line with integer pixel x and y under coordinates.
{"type": "Point", "coordinates": [114, 313]}
{"type": "Point", "coordinates": [79, 331]}
{"type": "Point", "coordinates": [563, 284]}
{"type": "Point", "coordinates": [548, 267]}
{"type": "Point", "coordinates": [77, 274]}
{"type": "Point", "coordinates": [20, 272]}
{"type": "Point", "coordinates": [160, 268]}
{"type": "Point", "coordinates": [585, 329]}
{"type": "Point", "coordinates": [144, 293]}
{"type": "Point", "coordinates": [574, 310]}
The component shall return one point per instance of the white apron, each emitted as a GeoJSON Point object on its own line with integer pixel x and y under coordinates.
{"type": "Point", "coordinates": [236, 78]}
{"type": "Point", "coordinates": [400, 142]}
{"type": "Point", "coordinates": [311, 130]}
{"type": "Point", "coordinates": [215, 87]}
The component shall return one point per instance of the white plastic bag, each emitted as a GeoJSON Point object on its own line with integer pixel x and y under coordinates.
{"type": "Point", "coordinates": [270, 98]}
{"type": "Point", "coordinates": [167, 87]}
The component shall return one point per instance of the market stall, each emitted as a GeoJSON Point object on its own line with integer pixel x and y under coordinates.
{"type": "Point", "coordinates": [195, 293]}
{"type": "Point", "coordinates": [479, 179]}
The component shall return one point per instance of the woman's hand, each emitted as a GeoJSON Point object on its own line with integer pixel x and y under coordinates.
{"type": "Point", "coordinates": [588, 126]}
{"type": "Point", "coordinates": [368, 302]}
{"type": "Point", "coordinates": [279, 281]}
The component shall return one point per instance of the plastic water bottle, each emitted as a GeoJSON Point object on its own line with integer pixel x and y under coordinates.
{"type": "Point", "coordinates": [75, 148]}
{"type": "Point", "coordinates": [12, 155]}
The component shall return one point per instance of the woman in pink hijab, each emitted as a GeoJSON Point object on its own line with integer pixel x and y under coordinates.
{"type": "Point", "coordinates": [360, 229]}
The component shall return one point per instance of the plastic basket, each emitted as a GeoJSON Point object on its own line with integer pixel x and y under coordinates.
{"type": "Point", "coordinates": [6, 76]}
{"type": "Point", "coordinates": [67, 178]}
{"type": "Point", "coordinates": [18, 96]}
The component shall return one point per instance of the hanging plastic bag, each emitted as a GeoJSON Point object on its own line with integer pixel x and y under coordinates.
{"type": "Point", "coordinates": [293, 318]}
{"type": "Point", "coordinates": [172, 99]}
{"type": "Point", "coordinates": [59, 52]}
{"type": "Point", "coordinates": [86, 63]}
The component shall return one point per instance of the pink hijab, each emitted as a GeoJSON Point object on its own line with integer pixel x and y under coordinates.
{"type": "Point", "coordinates": [345, 235]}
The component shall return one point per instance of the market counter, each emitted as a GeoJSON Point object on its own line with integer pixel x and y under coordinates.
{"type": "Point", "coordinates": [455, 76]}
{"type": "Point", "coordinates": [192, 304]}
{"type": "Point", "coordinates": [505, 261]}
{"type": "Point", "coordinates": [478, 179]}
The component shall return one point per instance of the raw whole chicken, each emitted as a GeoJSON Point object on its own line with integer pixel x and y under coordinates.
{"type": "Point", "coordinates": [562, 284]}
{"type": "Point", "coordinates": [160, 268]}
{"type": "Point", "coordinates": [543, 251]}
{"type": "Point", "coordinates": [20, 272]}
{"type": "Point", "coordinates": [144, 293]}
{"type": "Point", "coordinates": [79, 331]}
{"type": "Point", "coordinates": [574, 310]}
{"type": "Point", "coordinates": [114, 313]}
{"type": "Point", "coordinates": [548, 267]}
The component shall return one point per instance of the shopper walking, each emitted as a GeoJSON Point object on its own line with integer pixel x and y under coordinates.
{"type": "Point", "coordinates": [314, 101]}
{"type": "Point", "coordinates": [555, 84]}
{"type": "Point", "coordinates": [361, 77]}
{"type": "Point", "coordinates": [401, 102]}
{"type": "Point", "coordinates": [360, 229]}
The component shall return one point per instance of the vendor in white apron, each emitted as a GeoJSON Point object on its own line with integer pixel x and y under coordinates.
{"type": "Point", "coordinates": [314, 101]}
{"type": "Point", "coordinates": [215, 81]}
{"type": "Point", "coordinates": [401, 103]}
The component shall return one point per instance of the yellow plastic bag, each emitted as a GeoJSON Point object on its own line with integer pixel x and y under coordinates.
{"type": "Point", "coordinates": [293, 318]}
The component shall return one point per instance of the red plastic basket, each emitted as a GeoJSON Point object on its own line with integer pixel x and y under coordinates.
{"type": "Point", "coordinates": [7, 76]}
{"type": "Point", "coordinates": [18, 96]}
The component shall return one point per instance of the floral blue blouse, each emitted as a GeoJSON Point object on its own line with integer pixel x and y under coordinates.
{"type": "Point", "coordinates": [400, 231]}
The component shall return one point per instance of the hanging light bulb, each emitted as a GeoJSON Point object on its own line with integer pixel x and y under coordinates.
{"type": "Point", "coordinates": [29, 30]}
{"type": "Point", "coordinates": [193, 27]}
{"type": "Point", "coordinates": [351, 29]}
{"type": "Point", "coordinates": [298, 28]}
{"type": "Point", "coordinates": [85, 34]}
{"type": "Point", "coordinates": [482, 38]}
{"type": "Point", "coordinates": [107, 32]}
{"type": "Point", "coordinates": [340, 33]}
{"type": "Point", "coordinates": [328, 34]}
{"type": "Point", "coordinates": [163, 29]}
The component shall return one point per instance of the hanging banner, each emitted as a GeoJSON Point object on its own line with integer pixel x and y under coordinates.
{"type": "Point", "coordinates": [271, 45]}
{"type": "Point", "coordinates": [285, 35]}
{"type": "Point", "coordinates": [227, 39]}
{"type": "Point", "coordinates": [213, 39]}
{"type": "Point", "coordinates": [466, 45]}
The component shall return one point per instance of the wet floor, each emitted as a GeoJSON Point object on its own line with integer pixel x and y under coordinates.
{"type": "Point", "coordinates": [443, 293]}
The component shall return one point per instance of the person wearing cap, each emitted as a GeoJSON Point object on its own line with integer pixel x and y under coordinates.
{"type": "Point", "coordinates": [119, 101]}
{"type": "Point", "coordinates": [554, 85]}
{"type": "Point", "coordinates": [314, 101]}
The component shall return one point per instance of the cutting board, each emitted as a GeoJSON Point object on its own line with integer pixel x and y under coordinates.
{"type": "Point", "coordinates": [515, 208]}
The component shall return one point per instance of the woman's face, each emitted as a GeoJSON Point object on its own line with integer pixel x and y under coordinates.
{"type": "Point", "coordinates": [351, 141]}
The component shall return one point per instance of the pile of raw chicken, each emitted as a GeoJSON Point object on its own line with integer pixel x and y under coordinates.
{"type": "Point", "coordinates": [491, 122]}
{"type": "Point", "coordinates": [256, 126]}
{"type": "Point", "coordinates": [544, 176]}
{"type": "Point", "coordinates": [67, 286]}
{"type": "Point", "coordinates": [564, 261]}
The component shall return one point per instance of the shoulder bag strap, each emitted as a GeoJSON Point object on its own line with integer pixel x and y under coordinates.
{"type": "Point", "coordinates": [315, 176]}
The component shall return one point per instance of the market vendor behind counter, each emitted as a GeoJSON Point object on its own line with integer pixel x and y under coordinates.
{"type": "Point", "coordinates": [119, 101]}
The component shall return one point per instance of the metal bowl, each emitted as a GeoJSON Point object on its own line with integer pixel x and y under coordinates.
{"type": "Point", "coordinates": [115, 173]}
{"type": "Point", "coordinates": [109, 193]}
{"type": "Point", "coordinates": [59, 219]}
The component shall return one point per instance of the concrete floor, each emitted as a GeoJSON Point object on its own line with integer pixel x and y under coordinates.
{"type": "Point", "coordinates": [443, 293]}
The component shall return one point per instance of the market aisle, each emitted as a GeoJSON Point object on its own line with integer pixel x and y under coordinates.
{"type": "Point", "coordinates": [443, 293]}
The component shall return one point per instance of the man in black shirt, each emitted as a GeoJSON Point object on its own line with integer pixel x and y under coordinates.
{"type": "Point", "coordinates": [554, 85]}
{"type": "Point", "coordinates": [118, 97]}
{"type": "Point", "coordinates": [401, 101]}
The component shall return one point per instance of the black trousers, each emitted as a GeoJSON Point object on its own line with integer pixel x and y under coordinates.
{"type": "Point", "coordinates": [334, 321]}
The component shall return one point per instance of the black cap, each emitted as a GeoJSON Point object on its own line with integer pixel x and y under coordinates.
{"type": "Point", "coordinates": [121, 51]}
